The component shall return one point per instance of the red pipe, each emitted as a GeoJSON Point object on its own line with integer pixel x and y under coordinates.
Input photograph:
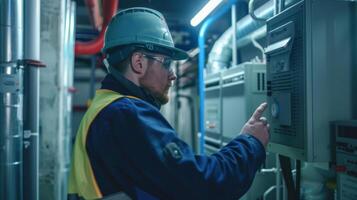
{"type": "Point", "coordinates": [94, 46]}
{"type": "Point", "coordinates": [93, 7]}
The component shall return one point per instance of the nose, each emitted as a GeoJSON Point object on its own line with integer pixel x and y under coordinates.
{"type": "Point", "coordinates": [172, 75]}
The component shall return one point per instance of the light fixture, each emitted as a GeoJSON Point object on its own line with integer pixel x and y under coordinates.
{"type": "Point", "coordinates": [204, 12]}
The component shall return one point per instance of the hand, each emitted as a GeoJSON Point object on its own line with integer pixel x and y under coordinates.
{"type": "Point", "coordinates": [258, 126]}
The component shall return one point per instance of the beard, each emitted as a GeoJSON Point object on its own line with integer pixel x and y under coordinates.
{"type": "Point", "coordinates": [161, 98]}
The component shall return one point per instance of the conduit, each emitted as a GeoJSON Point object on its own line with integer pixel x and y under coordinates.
{"type": "Point", "coordinates": [31, 99]}
{"type": "Point", "coordinates": [94, 46]}
{"type": "Point", "coordinates": [11, 88]}
{"type": "Point", "coordinates": [201, 66]}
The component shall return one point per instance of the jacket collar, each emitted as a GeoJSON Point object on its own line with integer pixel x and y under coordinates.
{"type": "Point", "coordinates": [116, 82]}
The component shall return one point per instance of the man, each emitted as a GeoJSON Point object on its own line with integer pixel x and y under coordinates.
{"type": "Point", "coordinates": [126, 148]}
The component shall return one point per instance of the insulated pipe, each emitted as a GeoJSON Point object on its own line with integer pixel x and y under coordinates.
{"type": "Point", "coordinates": [11, 75]}
{"type": "Point", "coordinates": [252, 14]}
{"type": "Point", "coordinates": [94, 46]}
{"type": "Point", "coordinates": [257, 34]}
{"type": "Point", "coordinates": [201, 66]}
{"type": "Point", "coordinates": [31, 100]}
{"type": "Point", "coordinates": [260, 47]}
{"type": "Point", "coordinates": [221, 52]}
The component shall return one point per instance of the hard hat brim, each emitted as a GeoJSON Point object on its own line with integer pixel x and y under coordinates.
{"type": "Point", "coordinates": [178, 54]}
{"type": "Point", "coordinates": [173, 52]}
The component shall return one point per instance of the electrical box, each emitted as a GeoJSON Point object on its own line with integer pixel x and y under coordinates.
{"type": "Point", "coordinates": [213, 131]}
{"type": "Point", "coordinates": [309, 79]}
{"type": "Point", "coordinates": [345, 135]}
{"type": "Point", "coordinates": [243, 90]}
{"type": "Point", "coordinates": [231, 98]}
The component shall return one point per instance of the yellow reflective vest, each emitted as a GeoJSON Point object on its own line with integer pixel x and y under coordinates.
{"type": "Point", "coordinates": [82, 181]}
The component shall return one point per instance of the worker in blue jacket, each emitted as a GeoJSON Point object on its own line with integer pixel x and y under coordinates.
{"type": "Point", "coordinates": [125, 148]}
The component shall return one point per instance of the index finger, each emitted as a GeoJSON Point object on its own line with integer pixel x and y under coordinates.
{"type": "Point", "coordinates": [259, 111]}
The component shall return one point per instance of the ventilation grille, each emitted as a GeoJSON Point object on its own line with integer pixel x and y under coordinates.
{"type": "Point", "coordinates": [293, 82]}
{"type": "Point", "coordinates": [261, 81]}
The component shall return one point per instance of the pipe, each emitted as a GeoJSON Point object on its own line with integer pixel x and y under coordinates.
{"type": "Point", "coordinates": [201, 65]}
{"type": "Point", "coordinates": [31, 100]}
{"type": "Point", "coordinates": [257, 34]}
{"type": "Point", "coordinates": [234, 33]}
{"type": "Point", "coordinates": [221, 52]}
{"type": "Point", "coordinates": [277, 177]}
{"type": "Point", "coordinates": [281, 5]}
{"type": "Point", "coordinates": [268, 191]}
{"type": "Point", "coordinates": [260, 48]}
{"type": "Point", "coordinates": [93, 7]}
{"type": "Point", "coordinates": [252, 14]}
{"type": "Point", "coordinates": [268, 170]}
{"type": "Point", "coordinates": [11, 88]}
{"type": "Point", "coordinates": [94, 46]}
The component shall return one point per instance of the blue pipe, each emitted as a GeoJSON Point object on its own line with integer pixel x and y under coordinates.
{"type": "Point", "coordinates": [201, 64]}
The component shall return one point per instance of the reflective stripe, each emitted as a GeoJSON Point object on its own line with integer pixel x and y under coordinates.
{"type": "Point", "coordinates": [82, 180]}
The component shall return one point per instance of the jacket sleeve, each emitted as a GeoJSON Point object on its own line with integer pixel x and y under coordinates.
{"type": "Point", "coordinates": [165, 166]}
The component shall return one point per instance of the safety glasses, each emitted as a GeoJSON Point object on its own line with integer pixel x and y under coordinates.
{"type": "Point", "coordinates": [166, 62]}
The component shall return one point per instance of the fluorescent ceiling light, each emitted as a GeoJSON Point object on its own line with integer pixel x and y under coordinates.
{"type": "Point", "coordinates": [204, 12]}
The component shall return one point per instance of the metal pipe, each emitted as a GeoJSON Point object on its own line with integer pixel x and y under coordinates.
{"type": "Point", "coordinates": [65, 134]}
{"type": "Point", "coordinates": [252, 14]}
{"type": "Point", "coordinates": [281, 5]}
{"type": "Point", "coordinates": [276, 8]}
{"type": "Point", "coordinates": [31, 100]}
{"type": "Point", "coordinates": [234, 35]}
{"type": "Point", "coordinates": [221, 52]}
{"type": "Point", "coordinates": [11, 83]}
{"type": "Point", "coordinates": [268, 191]}
{"type": "Point", "coordinates": [259, 47]}
{"type": "Point", "coordinates": [94, 46]}
{"type": "Point", "coordinates": [268, 170]}
{"type": "Point", "coordinates": [201, 66]}
{"type": "Point", "coordinates": [278, 177]}
{"type": "Point", "coordinates": [257, 34]}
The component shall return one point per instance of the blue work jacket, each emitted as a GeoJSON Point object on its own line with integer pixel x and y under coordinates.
{"type": "Point", "coordinates": [132, 148]}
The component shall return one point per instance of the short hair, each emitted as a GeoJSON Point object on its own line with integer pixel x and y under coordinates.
{"type": "Point", "coordinates": [120, 57]}
{"type": "Point", "coordinates": [123, 65]}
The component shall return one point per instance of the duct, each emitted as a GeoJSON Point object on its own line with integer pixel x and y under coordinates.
{"type": "Point", "coordinates": [11, 74]}
{"type": "Point", "coordinates": [31, 100]}
{"type": "Point", "coordinates": [221, 53]}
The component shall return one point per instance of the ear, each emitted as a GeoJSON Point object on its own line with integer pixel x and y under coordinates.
{"type": "Point", "coordinates": [137, 63]}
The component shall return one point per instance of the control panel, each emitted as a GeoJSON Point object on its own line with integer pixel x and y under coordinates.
{"type": "Point", "coordinates": [345, 133]}
{"type": "Point", "coordinates": [231, 97]}
{"type": "Point", "coordinates": [308, 74]}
